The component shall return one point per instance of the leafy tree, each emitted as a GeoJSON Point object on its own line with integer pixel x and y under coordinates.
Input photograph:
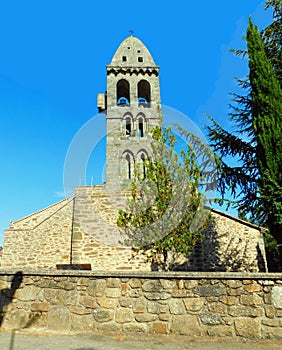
{"type": "Point", "coordinates": [243, 180]}
{"type": "Point", "coordinates": [165, 214]}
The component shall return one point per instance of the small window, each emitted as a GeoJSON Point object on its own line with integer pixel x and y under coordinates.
{"type": "Point", "coordinates": [138, 51]}
{"type": "Point", "coordinates": [128, 166]}
{"type": "Point", "coordinates": [140, 59]}
{"type": "Point", "coordinates": [128, 126]}
{"type": "Point", "coordinates": [124, 58]}
{"type": "Point", "coordinates": [128, 48]}
{"type": "Point", "coordinates": [140, 128]}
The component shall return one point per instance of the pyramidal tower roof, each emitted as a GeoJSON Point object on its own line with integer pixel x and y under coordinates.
{"type": "Point", "coordinates": [132, 53]}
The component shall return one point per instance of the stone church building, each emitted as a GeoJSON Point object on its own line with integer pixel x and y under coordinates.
{"type": "Point", "coordinates": [82, 229]}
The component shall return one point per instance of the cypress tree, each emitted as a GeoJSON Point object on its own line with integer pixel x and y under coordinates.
{"type": "Point", "coordinates": [242, 179]}
{"type": "Point", "coordinates": [266, 108]}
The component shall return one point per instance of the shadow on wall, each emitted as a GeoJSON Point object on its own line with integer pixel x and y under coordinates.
{"type": "Point", "coordinates": [232, 254]}
{"type": "Point", "coordinates": [7, 294]}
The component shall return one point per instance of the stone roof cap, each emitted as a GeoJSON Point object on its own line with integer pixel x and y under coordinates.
{"type": "Point", "coordinates": [132, 53]}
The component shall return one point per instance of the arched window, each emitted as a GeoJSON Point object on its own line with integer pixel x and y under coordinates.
{"type": "Point", "coordinates": [144, 93]}
{"type": "Point", "coordinates": [129, 170]}
{"type": "Point", "coordinates": [123, 93]}
{"type": "Point", "coordinates": [128, 126]}
{"type": "Point", "coordinates": [143, 165]}
{"type": "Point", "coordinates": [141, 158]}
{"type": "Point", "coordinates": [140, 127]}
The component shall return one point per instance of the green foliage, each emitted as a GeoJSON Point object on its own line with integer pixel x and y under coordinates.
{"type": "Point", "coordinates": [266, 97]}
{"type": "Point", "coordinates": [272, 38]}
{"type": "Point", "coordinates": [255, 141]}
{"type": "Point", "coordinates": [165, 214]}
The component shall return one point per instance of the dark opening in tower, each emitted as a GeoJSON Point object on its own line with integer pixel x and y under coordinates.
{"type": "Point", "coordinates": [128, 126]}
{"type": "Point", "coordinates": [140, 127]}
{"type": "Point", "coordinates": [144, 93]}
{"type": "Point", "coordinates": [123, 93]}
{"type": "Point", "coordinates": [143, 165]}
{"type": "Point", "coordinates": [128, 166]}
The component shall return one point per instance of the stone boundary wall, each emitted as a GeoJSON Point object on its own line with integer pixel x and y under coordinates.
{"type": "Point", "coordinates": [245, 305]}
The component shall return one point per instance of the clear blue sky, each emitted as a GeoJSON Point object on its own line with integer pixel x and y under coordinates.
{"type": "Point", "coordinates": [52, 65]}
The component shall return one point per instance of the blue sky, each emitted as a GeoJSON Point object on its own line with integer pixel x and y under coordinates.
{"type": "Point", "coordinates": [52, 65]}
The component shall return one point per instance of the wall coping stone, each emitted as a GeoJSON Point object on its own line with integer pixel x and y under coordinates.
{"type": "Point", "coordinates": [148, 275]}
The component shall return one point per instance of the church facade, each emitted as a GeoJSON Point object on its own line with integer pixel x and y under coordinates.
{"type": "Point", "coordinates": [82, 229]}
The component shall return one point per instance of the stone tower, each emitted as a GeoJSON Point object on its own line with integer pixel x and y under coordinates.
{"type": "Point", "coordinates": [132, 106]}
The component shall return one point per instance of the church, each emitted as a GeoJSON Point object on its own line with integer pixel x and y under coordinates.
{"type": "Point", "coordinates": [81, 230]}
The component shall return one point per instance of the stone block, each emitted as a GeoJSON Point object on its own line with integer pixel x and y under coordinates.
{"type": "Point", "coordinates": [233, 283]}
{"type": "Point", "coordinates": [245, 311]}
{"type": "Point", "coordinates": [168, 284]}
{"type": "Point", "coordinates": [59, 319]}
{"type": "Point", "coordinates": [135, 283]}
{"type": "Point", "coordinates": [108, 327]}
{"type": "Point", "coordinates": [251, 299]}
{"type": "Point", "coordinates": [210, 318]}
{"type": "Point", "coordinates": [152, 286]}
{"type": "Point", "coordinates": [78, 310]}
{"type": "Point", "coordinates": [185, 325]}
{"type": "Point", "coordinates": [193, 304]}
{"type": "Point", "coordinates": [176, 306]}
{"type": "Point", "coordinates": [276, 296]}
{"type": "Point", "coordinates": [40, 306]}
{"type": "Point", "coordinates": [157, 295]}
{"type": "Point", "coordinates": [271, 332]}
{"type": "Point", "coordinates": [157, 308]}
{"type": "Point", "coordinates": [124, 315]}
{"type": "Point", "coordinates": [164, 317]}
{"type": "Point", "coordinates": [28, 293]}
{"type": "Point", "coordinates": [96, 287]}
{"type": "Point", "coordinates": [229, 300]}
{"type": "Point", "coordinates": [182, 293]}
{"type": "Point", "coordinates": [60, 296]}
{"type": "Point", "coordinates": [66, 285]}
{"type": "Point", "coordinates": [102, 315]}
{"type": "Point", "coordinates": [218, 308]}
{"type": "Point", "coordinates": [107, 303]}
{"type": "Point", "coordinates": [82, 323]}
{"type": "Point", "coordinates": [134, 328]}
{"type": "Point", "coordinates": [248, 327]}
{"type": "Point", "coordinates": [190, 284]}
{"type": "Point", "coordinates": [113, 282]}
{"type": "Point", "coordinates": [145, 317]}
{"type": "Point", "coordinates": [138, 306]}
{"type": "Point", "coordinates": [271, 322]}
{"type": "Point", "coordinates": [16, 319]}
{"type": "Point", "coordinates": [254, 287]}
{"type": "Point", "coordinates": [88, 301]}
{"type": "Point", "coordinates": [125, 302]}
{"type": "Point", "coordinates": [112, 292]}
{"type": "Point", "coordinates": [159, 327]}
{"type": "Point", "coordinates": [269, 311]}
{"type": "Point", "coordinates": [220, 331]}
{"type": "Point", "coordinates": [211, 290]}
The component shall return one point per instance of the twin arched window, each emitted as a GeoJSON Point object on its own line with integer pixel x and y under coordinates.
{"type": "Point", "coordinates": [143, 93]}
{"type": "Point", "coordinates": [134, 129]}
{"type": "Point", "coordinates": [129, 163]}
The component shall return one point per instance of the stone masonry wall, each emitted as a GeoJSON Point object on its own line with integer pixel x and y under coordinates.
{"type": "Point", "coordinates": [230, 244]}
{"type": "Point", "coordinates": [83, 230]}
{"type": "Point", "coordinates": [40, 240]}
{"type": "Point", "coordinates": [244, 305]}
{"type": "Point", "coordinates": [96, 237]}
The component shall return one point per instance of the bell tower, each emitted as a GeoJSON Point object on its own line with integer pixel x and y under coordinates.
{"type": "Point", "coordinates": [133, 107]}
